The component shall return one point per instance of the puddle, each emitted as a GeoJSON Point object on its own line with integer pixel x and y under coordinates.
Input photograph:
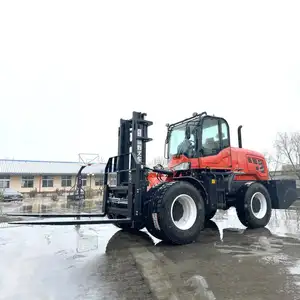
{"type": "Point", "coordinates": [200, 288]}
{"type": "Point", "coordinates": [97, 257]}
{"type": "Point", "coordinates": [86, 242]}
{"type": "Point", "coordinates": [295, 271]}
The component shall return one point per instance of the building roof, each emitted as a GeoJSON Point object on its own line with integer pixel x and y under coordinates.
{"type": "Point", "coordinates": [37, 167]}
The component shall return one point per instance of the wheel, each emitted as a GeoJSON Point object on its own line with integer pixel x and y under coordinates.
{"type": "Point", "coordinates": [150, 198]}
{"type": "Point", "coordinates": [253, 206]}
{"type": "Point", "coordinates": [180, 212]}
{"type": "Point", "coordinates": [210, 215]}
{"type": "Point", "coordinates": [126, 226]}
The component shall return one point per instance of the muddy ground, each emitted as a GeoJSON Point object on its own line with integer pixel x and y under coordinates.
{"type": "Point", "coordinates": [101, 262]}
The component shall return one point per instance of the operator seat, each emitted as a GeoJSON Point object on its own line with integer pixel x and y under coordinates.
{"type": "Point", "coordinates": [224, 140]}
{"type": "Point", "coordinates": [209, 146]}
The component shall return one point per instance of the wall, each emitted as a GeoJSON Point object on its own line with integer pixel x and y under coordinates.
{"type": "Point", "coordinates": [16, 184]}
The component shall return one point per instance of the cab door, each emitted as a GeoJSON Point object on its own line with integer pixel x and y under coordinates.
{"type": "Point", "coordinates": [215, 143]}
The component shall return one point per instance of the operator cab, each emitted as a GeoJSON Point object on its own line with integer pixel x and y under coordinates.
{"type": "Point", "coordinates": [199, 136]}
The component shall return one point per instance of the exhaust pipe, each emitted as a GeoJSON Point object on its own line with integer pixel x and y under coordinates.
{"type": "Point", "coordinates": [240, 136]}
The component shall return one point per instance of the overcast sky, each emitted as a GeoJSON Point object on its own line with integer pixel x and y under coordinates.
{"type": "Point", "coordinates": [69, 70]}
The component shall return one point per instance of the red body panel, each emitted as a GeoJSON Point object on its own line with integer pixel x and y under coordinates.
{"type": "Point", "coordinates": [155, 178]}
{"type": "Point", "coordinates": [249, 162]}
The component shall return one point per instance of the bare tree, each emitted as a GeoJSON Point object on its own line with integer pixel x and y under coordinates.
{"type": "Point", "coordinates": [288, 147]}
{"type": "Point", "coordinates": [273, 163]}
{"type": "Point", "coordinates": [268, 158]}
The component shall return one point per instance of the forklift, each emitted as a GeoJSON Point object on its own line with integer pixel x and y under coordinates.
{"type": "Point", "coordinates": [205, 173]}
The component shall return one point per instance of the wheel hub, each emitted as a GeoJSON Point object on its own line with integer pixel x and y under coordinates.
{"type": "Point", "coordinates": [177, 211]}
{"type": "Point", "coordinates": [258, 205]}
{"type": "Point", "coordinates": [183, 212]}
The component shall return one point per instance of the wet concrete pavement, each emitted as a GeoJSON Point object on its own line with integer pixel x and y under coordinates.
{"type": "Point", "coordinates": [101, 262]}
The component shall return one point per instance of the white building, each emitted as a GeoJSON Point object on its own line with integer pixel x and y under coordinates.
{"type": "Point", "coordinates": [47, 176]}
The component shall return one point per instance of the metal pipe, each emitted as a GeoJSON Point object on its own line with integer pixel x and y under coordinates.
{"type": "Point", "coordinates": [240, 136]}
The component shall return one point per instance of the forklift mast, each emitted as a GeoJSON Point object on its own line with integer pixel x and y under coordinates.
{"type": "Point", "coordinates": [132, 138]}
{"type": "Point", "coordinates": [125, 199]}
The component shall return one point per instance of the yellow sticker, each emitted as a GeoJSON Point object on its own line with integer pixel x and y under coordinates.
{"type": "Point", "coordinates": [213, 181]}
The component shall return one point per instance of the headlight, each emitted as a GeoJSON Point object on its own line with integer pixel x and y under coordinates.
{"type": "Point", "coordinates": [182, 166]}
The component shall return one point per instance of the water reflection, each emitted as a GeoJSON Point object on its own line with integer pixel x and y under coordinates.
{"type": "Point", "coordinates": [282, 222]}
{"type": "Point", "coordinates": [114, 274]}
{"type": "Point", "coordinates": [295, 271]}
{"type": "Point", "coordinates": [123, 240]}
{"type": "Point", "coordinates": [253, 257]}
{"type": "Point", "coordinates": [225, 253]}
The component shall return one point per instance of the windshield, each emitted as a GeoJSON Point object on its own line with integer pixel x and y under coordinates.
{"type": "Point", "coordinates": [177, 138]}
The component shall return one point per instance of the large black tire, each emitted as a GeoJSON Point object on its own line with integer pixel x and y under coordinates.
{"type": "Point", "coordinates": [254, 206]}
{"type": "Point", "coordinates": [149, 206]}
{"type": "Point", "coordinates": [179, 200]}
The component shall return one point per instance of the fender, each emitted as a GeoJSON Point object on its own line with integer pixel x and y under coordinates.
{"type": "Point", "coordinates": [243, 188]}
{"type": "Point", "coordinates": [153, 201]}
{"type": "Point", "coordinates": [283, 193]}
{"type": "Point", "coordinates": [196, 183]}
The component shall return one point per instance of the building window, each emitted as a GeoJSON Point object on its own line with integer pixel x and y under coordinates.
{"type": "Point", "coordinates": [4, 181]}
{"type": "Point", "coordinates": [27, 181]}
{"type": "Point", "coordinates": [66, 181]}
{"type": "Point", "coordinates": [47, 181]}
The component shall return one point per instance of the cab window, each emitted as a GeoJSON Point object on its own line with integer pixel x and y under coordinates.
{"type": "Point", "coordinates": [225, 135]}
{"type": "Point", "coordinates": [215, 136]}
{"type": "Point", "coordinates": [210, 136]}
{"type": "Point", "coordinates": [177, 137]}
